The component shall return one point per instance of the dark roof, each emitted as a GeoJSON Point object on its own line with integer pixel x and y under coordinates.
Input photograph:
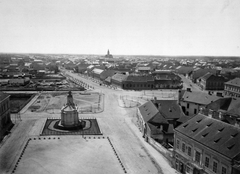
{"type": "Point", "coordinates": [159, 119]}
{"type": "Point", "coordinates": [140, 78]}
{"type": "Point", "coordinates": [210, 76]}
{"type": "Point", "coordinates": [169, 109]}
{"type": "Point", "coordinates": [234, 82]}
{"type": "Point", "coordinates": [107, 73]}
{"type": "Point", "coordinates": [3, 96]}
{"type": "Point", "coordinates": [229, 105]}
{"type": "Point", "coordinates": [148, 110]}
{"type": "Point", "coordinates": [201, 72]}
{"type": "Point", "coordinates": [184, 69]}
{"type": "Point", "coordinates": [215, 134]}
{"type": "Point", "coordinates": [199, 97]}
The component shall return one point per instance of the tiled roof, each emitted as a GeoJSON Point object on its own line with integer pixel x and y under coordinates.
{"type": "Point", "coordinates": [119, 77]}
{"type": "Point", "coordinates": [159, 119]}
{"type": "Point", "coordinates": [97, 71]}
{"type": "Point", "coordinates": [170, 109]}
{"type": "Point", "coordinates": [214, 134]}
{"type": "Point", "coordinates": [148, 110]}
{"type": "Point", "coordinates": [200, 72]}
{"type": "Point", "coordinates": [235, 82]}
{"type": "Point", "coordinates": [3, 96]}
{"type": "Point", "coordinates": [198, 97]}
{"type": "Point", "coordinates": [225, 104]}
{"type": "Point", "coordinates": [184, 69]}
{"type": "Point", "coordinates": [139, 79]}
{"type": "Point", "coordinates": [206, 76]}
{"type": "Point", "coordinates": [107, 73]}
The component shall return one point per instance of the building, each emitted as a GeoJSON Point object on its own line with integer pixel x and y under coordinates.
{"type": "Point", "coordinates": [232, 88]}
{"type": "Point", "coordinates": [5, 120]}
{"type": "Point", "coordinates": [170, 116]}
{"type": "Point", "coordinates": [166, 79]}
{"type": "Point", "coordinates": [184, 70]}
{"type": "Point", "coordinates": [158, 118]}
{"type": "Point", "coordinates": [192, 101]}
{"type": "Point", "coordinates": [211, 82]}
{"type": "Point", "coordinates": [144, 69]}
{"type": "Point", "coordinates": [145, 113]}
{"type": "Point", "coordinates": [139, 82]}
{"type": "Point", "coordinates": [204, 145]}
{"type": "Point", "coordinates": [224, 109]}
{"type": "Point", "coordinates": [96, 73]}
{"type": "Point", "coordinates": [107, 73]}
{"type": "Point", "coordinates": [117, 80]}
{"type": "Point", "coordinates": [197, 73]}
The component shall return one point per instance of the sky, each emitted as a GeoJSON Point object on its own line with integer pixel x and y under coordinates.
{"type": "Point", "coordinates": [125, 27]}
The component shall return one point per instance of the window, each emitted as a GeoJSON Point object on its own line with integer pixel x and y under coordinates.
{"type": "Point", "coordinates": [207, 161]}
{"type": "Point", "coordinates": [195, 111]}
{"type": "Point", "coordinates": [215, 166]}
{"type": "Point", "coordinates": [189, 151]}
{"type": "Point", "coordinates": [178, 144]}
{"type": "Point", "coordinates": [183, 147]}
{"type": "Point", "coordinates": [224, 170]}
{"type": "Point", "coordinates": [188, 169]}
{"type": "Point", "coordinates": [197, 156]}
{"type": "Point", "coordinates": [188, 105]}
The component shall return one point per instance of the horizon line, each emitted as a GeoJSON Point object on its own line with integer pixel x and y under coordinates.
{"type": "Point", "coordinates": [154, 55]}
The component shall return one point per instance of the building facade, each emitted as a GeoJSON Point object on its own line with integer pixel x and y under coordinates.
{"type": "Point", "coordinates": [138, 82]}
{"type": "Point", "coordinates": [192, 101]}
{"type": "Point", "coordinates": [205, 145]}
{"type": "Point", "coordinates": [232, 88]}
{"type": "Point", "coordinates": [211, 82]}
{"type": "Point", "coordinates": [5, 120]}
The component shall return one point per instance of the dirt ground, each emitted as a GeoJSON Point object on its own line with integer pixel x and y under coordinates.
{"type": "Point", "coordinates": [69, 155]}
{"type": "Point", "coordinates": [53, 102]}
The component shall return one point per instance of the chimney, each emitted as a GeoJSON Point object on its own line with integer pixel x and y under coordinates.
{"type": "Point", "coordinates": [210, 113]}
{"type": "Point", "coordinates": [155, 100]}
{"type": "Point", "coordinates": [159, 106]}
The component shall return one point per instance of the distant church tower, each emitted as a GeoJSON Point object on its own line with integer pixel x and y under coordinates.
{"type": "Point", "coordinates": [108, 55]}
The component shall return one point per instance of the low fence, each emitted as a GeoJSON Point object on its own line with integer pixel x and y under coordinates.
{"type": "Point", "coordinates": [166, 153]}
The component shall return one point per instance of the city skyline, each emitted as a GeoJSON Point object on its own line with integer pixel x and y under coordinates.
{"type": "Point", "coordinates": [196, 28]}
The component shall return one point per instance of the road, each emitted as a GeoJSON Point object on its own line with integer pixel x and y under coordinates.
{"type": "Point", "coordinates": [115, 122]}
{"type": "Point", "coordinates": [187, 83]}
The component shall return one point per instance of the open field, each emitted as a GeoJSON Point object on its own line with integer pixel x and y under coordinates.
{"type": "Point", "coordinates": [53, 102]}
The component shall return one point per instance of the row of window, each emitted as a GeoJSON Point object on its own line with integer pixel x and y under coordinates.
{"type": "Point", "coordinates": [188, 150]}
{"type": "Point", "coordinates": [232, 88]}
{"type": "Point", "coordinates": [138, 85]}
{"type": "Point", "coordinates": [214, 166]}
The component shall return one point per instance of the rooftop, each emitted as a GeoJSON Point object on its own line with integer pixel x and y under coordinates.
{"type": "Point", "coordinates": [198, 97]}
{"type": "Point", "coordinates": [3, 96]}
{"type": "Point", "coordinates": [215, 134]}
{"type": "Point", "coordinates": [235, 82]}
{"type": "Point", "coordinates": [148, 110]}
{"type": "Point", "coordinates": [139, 78]}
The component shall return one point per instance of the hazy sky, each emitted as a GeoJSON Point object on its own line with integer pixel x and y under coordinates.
{"type": "Point", "coordinates": [148, 27]}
